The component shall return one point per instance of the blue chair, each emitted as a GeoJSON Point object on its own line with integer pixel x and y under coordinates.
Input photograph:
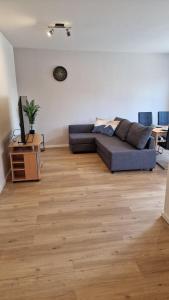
{"type": "Point", "coordinates": [145, 118]}
{"type": "Point", "coordinates": [163, 118]}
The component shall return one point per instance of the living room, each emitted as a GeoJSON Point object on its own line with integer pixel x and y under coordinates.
{"type": "Point", "coordinates": [93, 222]}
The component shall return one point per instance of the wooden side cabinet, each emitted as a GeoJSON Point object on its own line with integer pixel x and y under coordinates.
{"type": "Point", "coordinates": [25, 159]}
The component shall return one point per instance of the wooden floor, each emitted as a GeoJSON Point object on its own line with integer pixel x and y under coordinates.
{"type": "Point", "coordinates": [82, 233]}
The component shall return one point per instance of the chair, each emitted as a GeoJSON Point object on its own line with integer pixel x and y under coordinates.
{"type": "Point", "coordinates": [145, 118]}
{"type": "Point", "coordinates": [163, 118]}
{"type": "Point", "coordinates": [165, 144]}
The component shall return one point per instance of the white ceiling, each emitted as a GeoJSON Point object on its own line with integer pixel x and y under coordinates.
{"type": "Point", "coordinates": [98, 25]}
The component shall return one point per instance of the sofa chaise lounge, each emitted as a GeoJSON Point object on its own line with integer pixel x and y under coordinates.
{"type": "Point", "coordinates": [130, 148]}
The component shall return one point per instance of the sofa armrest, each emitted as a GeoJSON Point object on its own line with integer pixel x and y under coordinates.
{"type": "Point", "coordinates": [151, 143]}
{"type": "Point", "coordinates": [81, 128]}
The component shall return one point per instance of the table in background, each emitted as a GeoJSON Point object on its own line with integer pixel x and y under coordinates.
{"type": "Point", "coordinates": [159, 131]}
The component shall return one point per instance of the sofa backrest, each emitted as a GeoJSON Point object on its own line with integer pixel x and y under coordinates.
{"type": "Point", "coordinates": [135, 134]}
{"type": "Point", "coordinates": [81, 128]}
{"type": "Point", "coordinates": [122, 129]}
{"type": "Point", "coordinates": [118, 119]}
{"type": "Point", "coordinates": [138, 135]}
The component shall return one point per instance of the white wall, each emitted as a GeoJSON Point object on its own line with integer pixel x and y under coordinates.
{"type": "Point", "coordinates": [98, 85]}
{"type": "Point", "coordinates": [8, 103]}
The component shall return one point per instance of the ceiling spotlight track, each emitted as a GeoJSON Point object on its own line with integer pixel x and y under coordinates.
{"type": "Point", "coordinates": [51, 29]}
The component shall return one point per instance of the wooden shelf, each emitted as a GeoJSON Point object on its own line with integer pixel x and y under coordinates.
{"type": "Point", "coordinates": [18, 166]}
{"type": "Point", "coordinates": [25, 159]}
{"type": "Point", "coordinates": [20, 151]}
{"type": "Point", "coordinates": [19, 179]}
{"type": "Point", "coordinates": [18, 174]}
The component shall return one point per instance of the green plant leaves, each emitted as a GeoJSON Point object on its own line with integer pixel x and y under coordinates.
{"type": "Point", "coordinates": [31, 110]}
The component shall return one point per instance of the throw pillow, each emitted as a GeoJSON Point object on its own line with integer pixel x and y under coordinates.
{"type": "Point", "coordinates": [138, 135]}
{"type": "Point", "coordinates": [107, 130]}
{"type": "Point", "coordinates": [122, 129]}
{"type": "Point", "coordinates": [100, 122]}
{"type": "Point", "coordinates": [113, 124]}
{"type": "Point", "coordinates": [98, 129]}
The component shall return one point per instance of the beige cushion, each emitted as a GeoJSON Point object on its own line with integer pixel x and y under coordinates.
{"type": "Point", "coordinates": [113, 124]}
{"type": "Point", "coordinates": [101, 122]}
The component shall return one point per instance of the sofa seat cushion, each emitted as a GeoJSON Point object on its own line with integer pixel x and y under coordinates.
{"type": "Point", "coordinates": [112, 144]}
{"type": "Point", "coordinates": [113, 151]}
{"type": "Point", "coordinates": [82, 138]}
{"type": "Point", "coordinates": [122, 129]}
{"type": "Point", "coordinates": [138, 135]}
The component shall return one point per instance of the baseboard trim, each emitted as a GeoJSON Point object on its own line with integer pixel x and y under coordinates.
{"type": "Point", "coordinates": [5, 181]}
{"type": "Point", "coordinates": [2, 186]}
{"type": "Point", "coordinates": [56, 146]}
{"type": "Point", "coordinates": [165, 217]}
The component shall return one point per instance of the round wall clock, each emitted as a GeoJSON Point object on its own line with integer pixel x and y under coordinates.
{"type": "Point", "coordinates": [60, 73]}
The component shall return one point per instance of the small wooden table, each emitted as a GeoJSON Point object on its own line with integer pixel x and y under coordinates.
{"type": "Point", "coordinates": [159, 131]}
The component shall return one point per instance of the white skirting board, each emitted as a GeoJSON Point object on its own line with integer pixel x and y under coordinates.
{"type": "Point", "coordinates": [165, 217]}
{"type": "Point", "coordinates": [2, 185]}
{"type": "Point", "coordinates": [4, 182]}
{"type": "Point", "coordinates": [57, 146]}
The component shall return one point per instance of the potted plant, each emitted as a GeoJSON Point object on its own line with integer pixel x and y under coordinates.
{"type": "Point", "coordinates": [31, 110]}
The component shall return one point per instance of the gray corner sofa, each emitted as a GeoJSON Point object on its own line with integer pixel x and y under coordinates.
{"type": "Point", "coordinates": [130, 148]}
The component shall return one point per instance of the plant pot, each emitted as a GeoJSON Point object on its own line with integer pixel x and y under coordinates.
{"type": "Point", "coordinates": [32, 130]}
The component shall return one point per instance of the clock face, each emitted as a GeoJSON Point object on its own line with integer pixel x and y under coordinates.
{"type": "Point", "coordinates": [60, 73]}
